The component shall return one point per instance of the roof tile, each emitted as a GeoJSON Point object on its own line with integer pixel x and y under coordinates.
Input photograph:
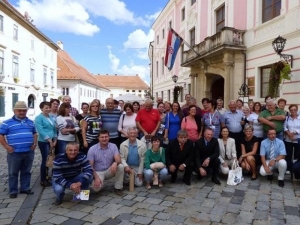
{"type": "Point", "coordinates": [119, 81]}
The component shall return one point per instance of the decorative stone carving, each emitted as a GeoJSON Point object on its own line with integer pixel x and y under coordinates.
{"type": "Point", "coordinates": [229, 63]}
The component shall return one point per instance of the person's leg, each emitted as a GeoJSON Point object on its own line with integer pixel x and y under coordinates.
{"type": "Point", "coordinates": [173, 175]}
{"type": "Point", "coordinates": [162, 174]}
{"type": "Point", "coordinates": [101, 175]}
{"type": "Point", "coordinates": [214, 164]}
{"type": "Point", "coordinates": [263, 172]}
{"type": "Point", "coordinates": [281, 165]}
{"type": "Point", "coordinates": [44, 149]}
{"type": "Point", "coordinates": [14, 166]}
{"type": "Point", "coordinates": [289, 153]}
{"type": "Point", "coordinates": [296, 169]}
{"type": "Point", "coordinates": [119, 176]}
{"type": "Point", "coordinates": [61, 146]}
{"type": "Point", "coordinates": [137, 181]}
{"type": "Point", "coordinates": [25, 173]}
{"type": "Point", "coordinates": [224, 170]}
{"type": "Point", "coordinates": [58, 190]}
{"type": "Point", "coordinates": [148, 174]}
{"type": "Point", "coordinates": [188, 173]}
{"type": "Point", "coordinates": [251, 161]}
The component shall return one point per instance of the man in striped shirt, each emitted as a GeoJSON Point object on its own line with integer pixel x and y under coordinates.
{"type": "Point", "coordinates": [110, 121]}
{"type": "Point", "coordinates": [71, 170]}
{"type": "Point", "coordinates": [20, 143]}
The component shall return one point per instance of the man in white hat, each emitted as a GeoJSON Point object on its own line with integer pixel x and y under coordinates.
{"type": "Point", "coordinates": [20, 143]}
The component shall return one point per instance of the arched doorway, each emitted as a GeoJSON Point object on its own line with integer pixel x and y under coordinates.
{"type": "Point", "coordinates": [217, 88]}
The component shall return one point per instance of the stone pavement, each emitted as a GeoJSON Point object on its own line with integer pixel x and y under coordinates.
{"type": "Point", "coordinates": [251, 202]}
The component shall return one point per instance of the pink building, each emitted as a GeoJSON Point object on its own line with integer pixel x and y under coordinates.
{"type": "Point", "coordinates": [232, 45]}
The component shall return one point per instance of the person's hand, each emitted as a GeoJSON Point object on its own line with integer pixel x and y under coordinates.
{"type": "Point", "coordinates": [127, 169]}
{"type": "Point", "coordinates": [152, 134]}
{"type": "Point", "coordinates": [33, 147]}
{"type": "Point", "coordinates": [85, 144]}
{"type": "Point", "coordinates": [202, 172]}
{"type": "Point", "coordinates": [113, 168]}
{"type": "Point", "coordinates": [72, 131]}
{"type": "Point", "coordinates": [98, 182]}
{"type": "Point", "coordinates": [247, 166]}
{"type": "Point", "coordinates": [206, 162]}
{"type": "Point", "coordinates": [269, 118]}
{"type": "Point", "coordinates": [51, 144]}
{"type": "Point", "coordinates": [272, 125]}
{"type": "Point", "coordinates": [76, 187]}
{"type": "Point", "coordinates": [9, 149]}
{"type": "Point", "coordinates": [240, 159]}
{"type": "Point", "coordinates": [224, 164]}
{"type": "Point", "coordinates": [172, 168]}
{"type": "Point", "coordinates": [140, 176]}
{"type": "Point", "coordinates": [181, 167]}
{"type": "Point", "coordinates": [271, 163]}
{"type": "Point", "coordinates": [267, 169]}
{"type": "Point", "coordinates": [64, 131]}
{"type": "Point", "coordinates": [54, 143]}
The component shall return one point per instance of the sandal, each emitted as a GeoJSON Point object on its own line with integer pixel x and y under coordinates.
{"type": "Point", "coordinates": [148, 186]}
{"type": "Point", "coordinates": [160, 184]}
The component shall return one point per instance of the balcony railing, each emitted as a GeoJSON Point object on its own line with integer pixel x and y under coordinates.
{"type": "Point", "coordinates": [227, 38]}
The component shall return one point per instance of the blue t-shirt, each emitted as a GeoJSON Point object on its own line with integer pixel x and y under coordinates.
{"type": "Point", "coordinates": [133, 158]}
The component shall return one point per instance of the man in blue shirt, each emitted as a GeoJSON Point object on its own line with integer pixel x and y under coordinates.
{"type": "Point", "coordinates": [20, 143]}
{"type": "Point", "coordinates": [272, 152]}
{"type": "Point", "coordinates": [132, 153]}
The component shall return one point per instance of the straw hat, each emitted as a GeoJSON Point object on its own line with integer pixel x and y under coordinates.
{"type": "Point", "coordinates": [20, 105]}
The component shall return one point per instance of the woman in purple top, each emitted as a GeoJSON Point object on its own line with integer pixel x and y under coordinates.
{"type": "Point", "coordinates": [213, 119]}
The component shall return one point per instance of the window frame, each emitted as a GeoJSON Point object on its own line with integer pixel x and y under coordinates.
{"type": "Point", "coordinates": [15, 32]}
{"type": "Point", "coordinates": [1, 62]}
{"type": "Point", "coordinates": [162, 65]}
{"type": "Point", "coordinates": [193, 2]}
{"type": "Point", "coordinates": [15, 66]}
{"type": "Point", "coordinates": [264, 84]}
{"type": "Point", "coordinates": [45, 75]}
{"type": "Point", "coordinates": [1, 23]}
{"type": "Point", "coordinates": [183, 14]}
{"type": "Point", "coordinates": [193, 36]}
{"type": "Point", "coordinates": [264, 8]}
{"type": "Point", "coordinates": [52, 77]}
{"type": "Point", "coordinates": [221, 22]}
{"type": "Point", "coordinates": [32, 72]}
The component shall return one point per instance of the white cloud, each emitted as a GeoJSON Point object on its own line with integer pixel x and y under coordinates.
{"type": "Point", "coordinates": [131, 69]}
{"type": "Point", "coordinates": [59, 15]}
{"type": "Point", "coordinates": [73, 16]}
{"type": "Point", "coordinates": [139, 41]}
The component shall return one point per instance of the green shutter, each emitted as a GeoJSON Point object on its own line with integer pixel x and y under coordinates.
{"type": "Point", "coordinates": [15, 98]}
{"type": "Point", "coordinates": [2, 106]}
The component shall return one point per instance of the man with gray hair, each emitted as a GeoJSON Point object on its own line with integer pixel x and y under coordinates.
{"type": "Point", "coordinates": [179, 156]}
{"type": "Point", "coordinates": [220, 108]}
{"type": "Point", "coordinates": [272, 117]}
{"type": "Point", "coordinates": [148, 120]}
{"type": "Point", "coordinates": [132, 153]}
{"type": "Point", "coordinates": [67, 99]}
{"type": "Point", "coordinates": [233, 119]}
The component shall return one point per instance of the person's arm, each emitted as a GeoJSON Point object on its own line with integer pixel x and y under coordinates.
{"type": "Point", "coordinates": [163, 156]}
{"type": "Point", "coordinates": [216, 150]}
{"type": "Point", "coordinates": [278, 117]}
{"type": "Point", "coordinates": [202, 127]}
{"type": "Point", "coordinates": [123, 154]}
{"type": "Point", "coordinates": [142, 158]}
{"type": "Point", "coordinates": [57, 175]}
{"type": "Point", "coordinates": [84, 126]}
{"type": "Point", "coordinates": [39, 127]}
{"type": "Point", "coordinates": [156, 128]}
{"type": "Point", "coordinates": [183, 123]}
{"type": "Point", "coordinates": [35, 137]}
{"type": "Point", "coordinates": [139, 126]}
{"type": "Point", "coordinates": [147, 159]}
{"type": "Point", "coordinates": [191, 155]}
{"type": "Point", "coordinates": [120, 129]}
{"type": "Point", "coordinates": [197, 154]}
{"type": "Point", "coordinates": [3, 142]}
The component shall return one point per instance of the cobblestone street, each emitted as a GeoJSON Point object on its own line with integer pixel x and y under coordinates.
{"type": "Point", "coordinates": [256, 202]}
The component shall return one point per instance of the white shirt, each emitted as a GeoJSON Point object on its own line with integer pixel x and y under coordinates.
{"type": "Point", "coordinates": [257, 126]}
{"type": "Point", "coordinates": [129, 121]}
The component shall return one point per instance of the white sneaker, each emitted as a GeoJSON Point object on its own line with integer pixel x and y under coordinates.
{"type": "Point", "coordinates": [287, 172]}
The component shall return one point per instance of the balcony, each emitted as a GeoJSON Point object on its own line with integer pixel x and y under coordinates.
{"type": "Point", "coordinates": [227, 39]}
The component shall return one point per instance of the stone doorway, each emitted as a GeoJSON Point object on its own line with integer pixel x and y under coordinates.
{"type": "Point", "coordinates": [217, 88]}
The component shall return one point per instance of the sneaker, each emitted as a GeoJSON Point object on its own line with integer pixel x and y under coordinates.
{"type": "Point", "coordinates": [45, 183]}
{"type": "Point", "coordinates": [119, 192]}
{"type": "Point", "coordinates": [280, 183]}
{"type": "Point", "coordinates": [287, 172]}
{"type": "Point", "coordinates": [58, 202]}
{"type": "Point", "coordinates": [13, 195]}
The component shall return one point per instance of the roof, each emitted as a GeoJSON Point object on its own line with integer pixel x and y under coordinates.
{"type": "Point", "coordinates": [70, 70]}
{"type": "Point", "coordinates": [124, 82]}
{"type": "Point", "coordinates": [16, 15]}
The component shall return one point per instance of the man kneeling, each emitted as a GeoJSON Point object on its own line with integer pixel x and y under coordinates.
{"type": "Point", "coordinates": [132, 155]}
{"type": "Point", "coordinates": [71, 170]}
{"type": "Point", "coordinates": [105, 160]}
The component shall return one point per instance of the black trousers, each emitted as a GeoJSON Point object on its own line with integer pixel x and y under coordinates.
{"type": "Point", "coordinates": [213, 165]}
{"type": "Point", "coordinates": [187, 171]}
{"type": "Point", "coordinates": [237, 137]}
{"type": "Point", "coordinates": [292, 149]}
{"type": "Point", "coordinates": [116, 141]}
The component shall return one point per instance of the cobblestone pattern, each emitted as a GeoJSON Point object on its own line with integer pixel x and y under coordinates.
{"type": "Point", "coordinates": [252, 202]}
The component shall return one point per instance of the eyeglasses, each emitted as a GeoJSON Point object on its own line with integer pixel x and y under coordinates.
{"type": "Point", "coordinates": [95, 106]}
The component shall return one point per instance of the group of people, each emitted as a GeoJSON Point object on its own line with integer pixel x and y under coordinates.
{"type": "Point", "coordinates": [150, 141]}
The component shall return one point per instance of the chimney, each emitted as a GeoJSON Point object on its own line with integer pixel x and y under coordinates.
{"type": "Point", "coordinates": [60, 45]}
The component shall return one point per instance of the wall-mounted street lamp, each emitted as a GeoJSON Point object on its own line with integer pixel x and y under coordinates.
{"type": "Point", "coordinates": [175, 78]}
{"type": "Point", "coordinates": [244, 93]}
{"type": "Point", "coordinates": [278, 46]}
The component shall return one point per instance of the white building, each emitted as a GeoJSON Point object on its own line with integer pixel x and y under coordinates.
{"type": "Point", "coordinates": [77, 82]}
{"type": "Point", "coordinates": [28, 63]}
{"type": "Point", "coordinates": [120, 85]}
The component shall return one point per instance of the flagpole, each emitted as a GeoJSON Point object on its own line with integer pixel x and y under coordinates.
{"type": "Point", "coordinates": [184, 41]}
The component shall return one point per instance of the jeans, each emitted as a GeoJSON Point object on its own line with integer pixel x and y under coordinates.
{"type": "Point", "coordinates": [19, 162]}
{"type": "Point", "coordinates": [148, 173]}
{"type": "Point", "coordinates": [44, 148]}
{"type": "Point", "coordinates": [60, 190]}
{"type": "Point", "coordinates": [61, 146]}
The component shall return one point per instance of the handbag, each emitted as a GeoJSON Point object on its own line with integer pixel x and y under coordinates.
{"type": "Point", "coordinates": [50, 157]}
{"type": "Point", "coordinates": [235, 175]}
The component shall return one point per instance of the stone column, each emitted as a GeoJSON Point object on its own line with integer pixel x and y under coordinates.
{"type": "Point", "coordinates": [228, 78]}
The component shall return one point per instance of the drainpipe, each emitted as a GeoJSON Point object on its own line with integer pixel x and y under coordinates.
{"type": "Point", "coordinates": [151, 44]}
{"type": "Point", "coordinates": [244, 53]}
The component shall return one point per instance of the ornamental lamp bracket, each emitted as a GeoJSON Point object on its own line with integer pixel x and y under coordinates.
{"type": "Point", "coordinates": [278, 46]}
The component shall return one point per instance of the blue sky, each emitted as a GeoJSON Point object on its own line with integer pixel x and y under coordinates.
{"type": "Point", "coordinates": [104, 36]}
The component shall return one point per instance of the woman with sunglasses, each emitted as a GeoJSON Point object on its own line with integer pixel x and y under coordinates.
{"type": "Point", "coordinates": [91, 126]}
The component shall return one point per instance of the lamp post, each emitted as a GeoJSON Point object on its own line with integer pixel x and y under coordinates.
{"type": "Point", "coordinates": [244, 93]}
{"type": "Point", "coordinates": [278, 46]}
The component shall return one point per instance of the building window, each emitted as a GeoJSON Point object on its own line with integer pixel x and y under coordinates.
{"type": "Point", "coordinates": [183, 14]}
{"type": "Point", "coordinates": [181, 53]}
{"type": "Point", "coordinates": [265, 76]}
{"type": "Point", "coordinates": [65, 91]}
{"type": "Point", "coordinates": [133, 90]}
{"type": "Point", "coordinates": [1, 23]}
{"type": "Point", "coordinates": [162, 65]}
{"type": "Point", "coordinates": [127, 90]}
{"type": "Point", "coordinates": [1, 62]}
{"type": "Point", "coordinates": [169, 95]}
{"type": "Point", "coordinates": [140, 90]}
{"type": "Point", "coordinates": [220, 21]}
{"type": "Point", "coordinates": [170, 23]}
{"type": "Point", "coordinates": [15, 98]}
{"type": "Point", "coordinates": [192, 37]}
{"type": "Point", "coordinates": [32, 72]}
{"type": "Point", "coordinates": [15, 33]}
{"type": "Point", "coordinates": [193, 2]}
{"type": "Point", "coordinates": [2, 106]}
{"type": "Point", "coordinates": [156, 95]}
{"type": "Point", "coordinates": [15, 69]}
{"type": "Point", "coordinates": [45, 75]}
{"type": "Point", "coordinates": [270, 9]}
{"type": "Point", "coordinates": [111, 96]}
{"type": "Point", "coordinates": [45, 51]}
{"type": "Point", "coordinates": [52, 78]}
{"type": "Point", "coordinates": [80, 91]}
{"type": "Point", "coordinates": [157, 39]}
{"type": "Point", "coordinates": [163, 34]}
{"type": "Point", "coordinates": [156, 68]}
{"type": "Point", "coordinates": [162, 94]}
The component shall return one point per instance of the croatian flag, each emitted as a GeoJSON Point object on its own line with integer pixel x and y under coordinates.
{"type": "Point", "coordinates": [173, 44]}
